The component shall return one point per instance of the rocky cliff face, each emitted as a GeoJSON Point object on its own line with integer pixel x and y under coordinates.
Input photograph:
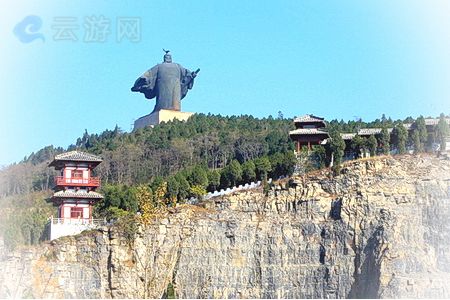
{"type": "Point", "coordinates": [381, 229]}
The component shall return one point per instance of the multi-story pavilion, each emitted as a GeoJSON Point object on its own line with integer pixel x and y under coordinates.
{"type": "Point", "coordinates": [310, 130]}
{"type": "Point", "coordinates": [75, 193]}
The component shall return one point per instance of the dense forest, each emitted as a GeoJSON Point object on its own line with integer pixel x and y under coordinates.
{"type": "Point", "coordinates": [140, 156]}
{"type": "Point", "coordinates": [170, 162]}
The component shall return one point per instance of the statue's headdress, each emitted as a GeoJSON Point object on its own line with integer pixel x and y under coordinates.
{"type": "Point", "coordinates": [167, 56]}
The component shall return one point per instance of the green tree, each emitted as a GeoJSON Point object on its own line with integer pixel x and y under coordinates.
{"type": "Point", "coordinates": [385, 139]}
{"type": "Point", "coordinates": [372, 144]}
{"type": "Point", "coordinates": [173, 189]}
{"type": "Point", "coordinates": [289, 160]}
{"type": "Point", "coordinates": [231, 174]}
{"type": "Point", "coordinates": [277, 163]}
{"type": "Point", "coordinates": [442, 131]}
{"type": "Point", "coordinates": [400, 137]}
{"type": "Point", "coordinates": [263, 167]}
{"type": "Point", "coordinates": [112, 196]}
{"type": "Point", "coordinates": [248, 171]}
{"type": "Point", "coordinates": [120, 196]}
{"type": "Point", "coordinates": [337, 146]}
{"type": "Point", "coordinates": [198, 177]}
{"type": "Point", "coordinates": [213, 180]}
{"type": "Point", "coordinates": [114, 213]}
{"type": "Point", "coordinates": [358, 145]}
{"type": "Point", "coordinates": [421, 129]}
{"type": "Point", "coordinates": [319, 156]}
{"type": "Point", "coordinates": [415, 137]}
{"type": "Point", "coordinates": [283, 164]}
{"type": "Point", "coordinates": [183, 186]}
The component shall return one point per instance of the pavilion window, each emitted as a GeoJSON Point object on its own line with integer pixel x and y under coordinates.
{"type": "Point", "coordinates": [77, 174]}
{"type": "Point", "coordinates": [76, 212]}
{"type": "Point", "coordinates": [309, 126]}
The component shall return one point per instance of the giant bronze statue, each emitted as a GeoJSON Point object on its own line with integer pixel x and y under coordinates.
{"type": "Point", "coordinates": [168, 82]}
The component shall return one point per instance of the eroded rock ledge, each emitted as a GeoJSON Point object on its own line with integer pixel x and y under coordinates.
{"type": "Point", "coordinates": [381, 229]}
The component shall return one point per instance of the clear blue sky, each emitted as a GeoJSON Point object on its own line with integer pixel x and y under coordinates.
{"type": "Point", "coordinates": [337, 59]}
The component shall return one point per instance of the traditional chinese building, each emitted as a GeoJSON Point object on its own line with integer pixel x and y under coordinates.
{"type": "Point", "coordinates": [431, 125]}
{"type": "Point", "coordinates": [310, 130]}
{"type": "Point", "coordinates": [75, 193]}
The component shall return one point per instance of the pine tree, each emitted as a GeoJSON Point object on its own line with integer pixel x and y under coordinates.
{"type": "Point", "coordinates": [263, 167]}
{"type": "Point", "coordinates": [198, 177]}
{"type": "Point", "coordinates": [418, 146]}
{"type": "Point", "coordinates": [337, 147]}
{"type": "Point", "coordinates": [442, 131]}
{"type": "Point", "coordinates": [290, 160]}
{"type": "Point", "coordinates": [183, 186]}
{"type": "Point", "coordinates": [213, 180]}
{"type": "Point", "coordinates": [385, 141]}
{"type": "Point", "coordinates": [173, 189]}
{"type": "Point", "coordinates": [358, 145]}
{"type": "Point", "coordinates": [372, 144]}
{"type": "Point", "coordinates": [233, 172]}
{"type": "Point", "coordinates": [400, 137]}
{"type": "Point", "coordinates": [248, 171]}
{"type": "Point", "coordinates": [421, 129]}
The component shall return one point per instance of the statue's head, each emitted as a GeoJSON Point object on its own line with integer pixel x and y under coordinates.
{"type": "Point", "coordinates": [167, 57]}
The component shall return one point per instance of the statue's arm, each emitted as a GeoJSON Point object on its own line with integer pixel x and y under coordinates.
{"type": "Point", "coordinates": [187, 80]}
{"type": "Point", "coordinates": [146, 83]}
{"type": "Point", "coordinates": [187, 77]}
{"type": "Point", "coordinates": [150, 77]}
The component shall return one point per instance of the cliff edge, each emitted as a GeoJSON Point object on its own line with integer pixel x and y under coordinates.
{"type": "Point", "coordinates": [379, 230]}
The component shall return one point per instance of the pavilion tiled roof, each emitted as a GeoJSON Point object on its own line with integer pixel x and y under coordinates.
{"type": "Point", "coordinates": [308, 119]}
{"type": "Point", "coordinates": [76, 156]}
{"type": "Point", "coordinates": [307, 131]}
{"type": "Point", "coordinates": [348, 136]}
{"type": "Point", "coordinates": [370, 131]}
{"type": "Point", "coordinates": [434, 122]}
{"type": "Point", "coordinates": [408, 126]}
{"type": "Point", "coordinates": [78, 194]}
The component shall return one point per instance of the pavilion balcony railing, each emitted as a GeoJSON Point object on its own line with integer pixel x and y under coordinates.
{"type": "Point", "coordinates": [77, 221]}
{"type": "Point", "coordinates": [77, 181]}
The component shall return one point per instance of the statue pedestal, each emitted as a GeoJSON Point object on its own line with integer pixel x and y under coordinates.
{"type": "Point", "coordinates": [160, 116]}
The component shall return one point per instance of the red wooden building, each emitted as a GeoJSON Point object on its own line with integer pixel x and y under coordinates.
{"type": "Point", "coordinates": [310, 130]}
{"type": "Point", "coordinates": [75, 193]}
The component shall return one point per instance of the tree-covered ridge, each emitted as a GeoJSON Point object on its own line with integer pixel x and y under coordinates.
{"type": "Point", "coordinates": [151, 168]}
{"type": "Point", "coordinates": [139, 156]}
{"type": "Point", "coordinates": [212, 141]}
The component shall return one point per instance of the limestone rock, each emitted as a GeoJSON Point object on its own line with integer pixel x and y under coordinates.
{"type": "Point", "coordinates": [381, 229]}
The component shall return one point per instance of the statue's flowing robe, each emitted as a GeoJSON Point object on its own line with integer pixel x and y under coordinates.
{"type": "Point", "coordinates": [168, 82]}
